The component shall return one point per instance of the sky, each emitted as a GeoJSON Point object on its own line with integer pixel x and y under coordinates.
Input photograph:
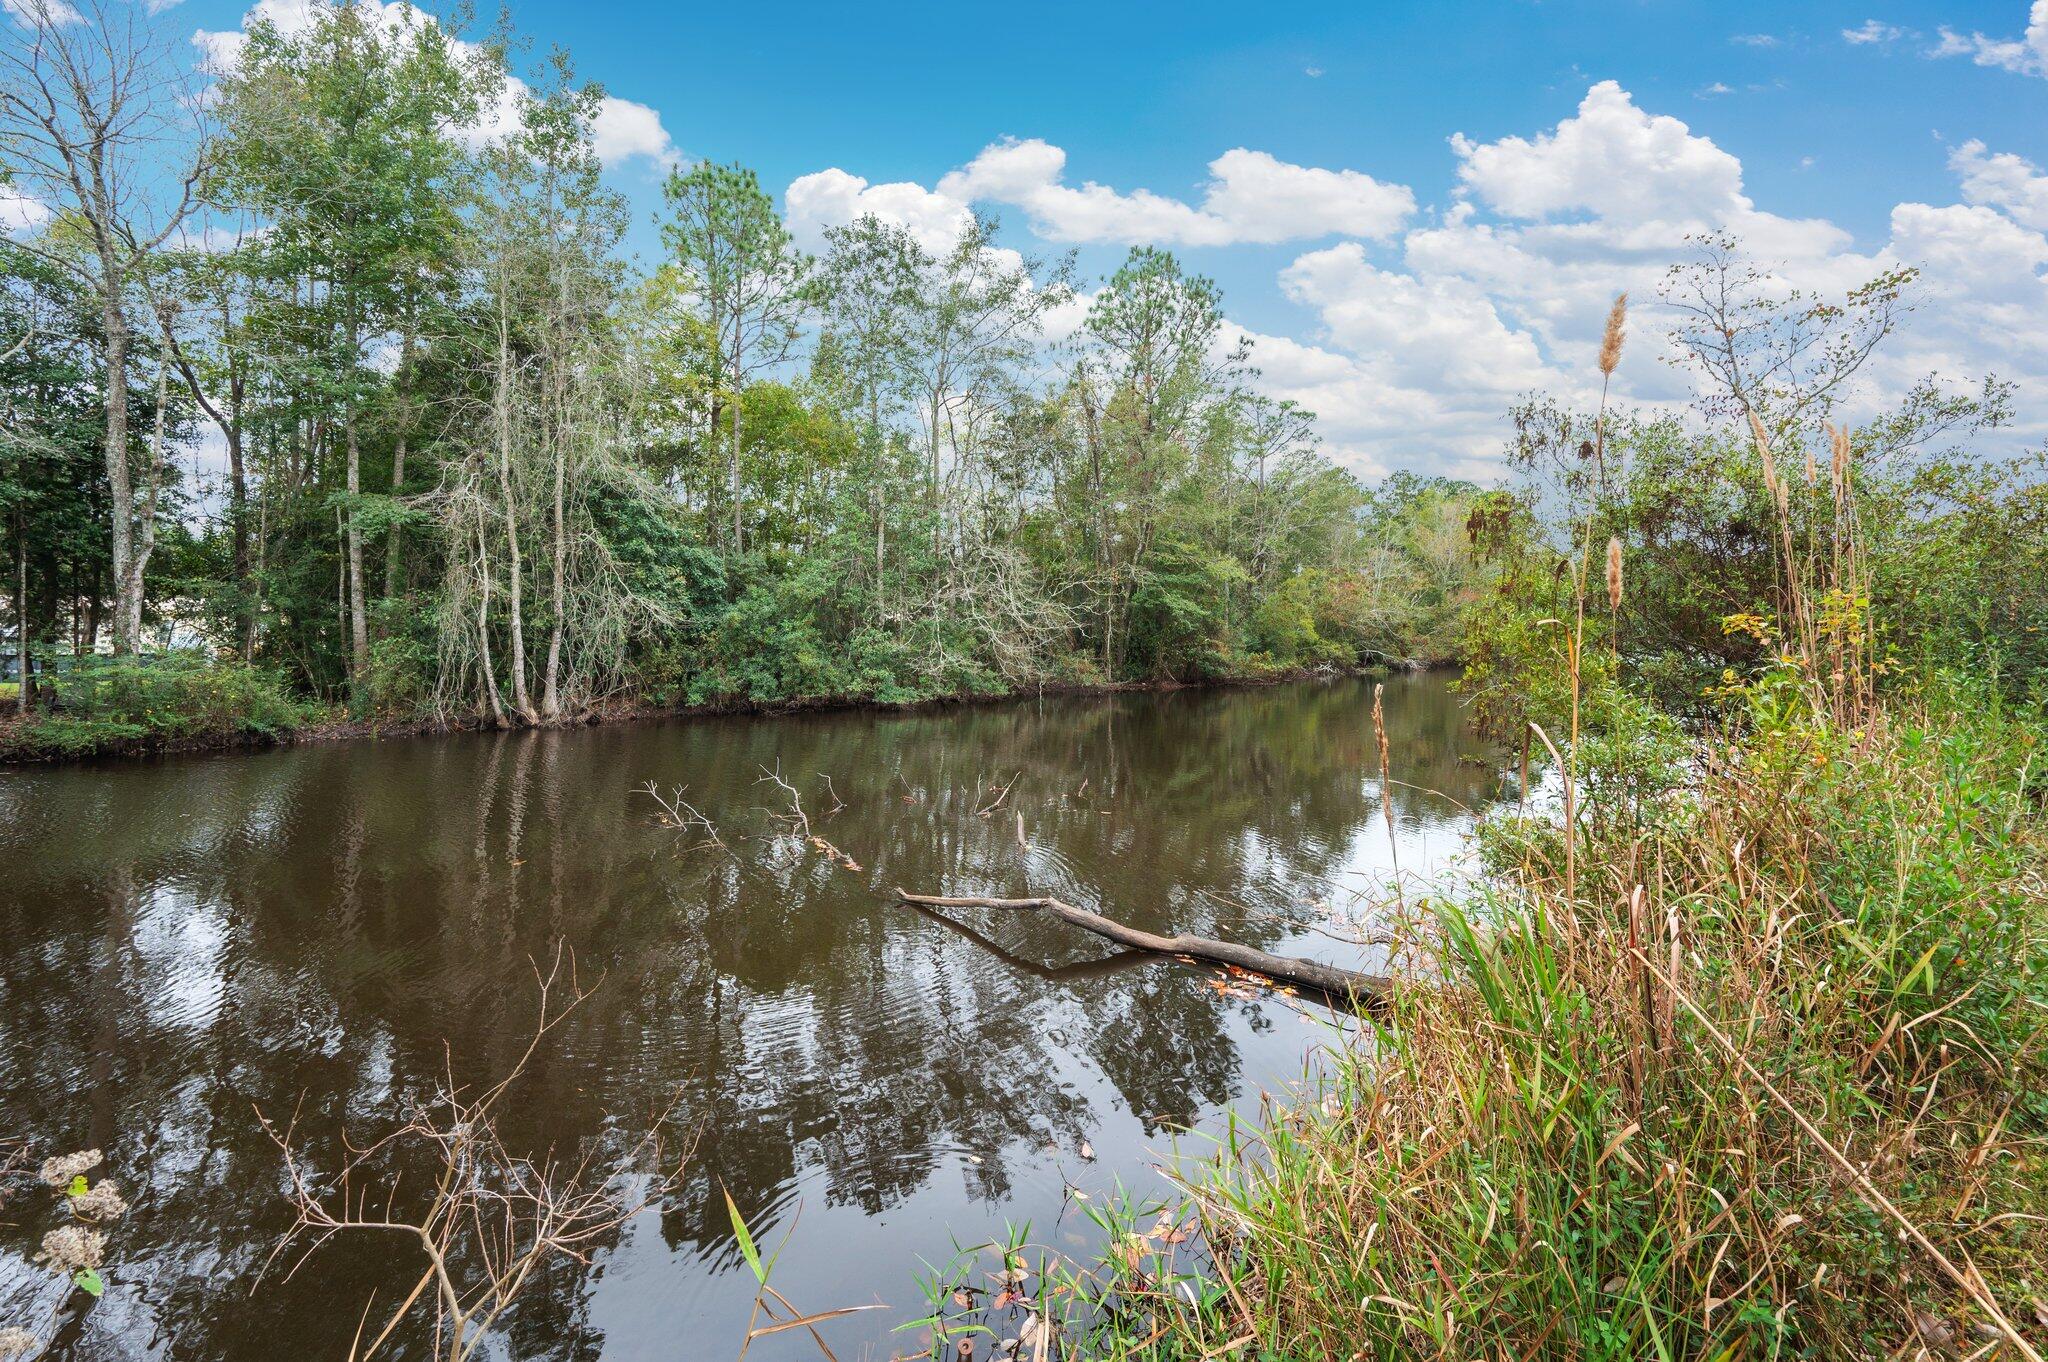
{"type": "Point", "coordinates": [1417, 212]}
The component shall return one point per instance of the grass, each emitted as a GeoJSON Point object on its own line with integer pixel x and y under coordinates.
{"type": "Point", "coordinates": [1766, 1082]}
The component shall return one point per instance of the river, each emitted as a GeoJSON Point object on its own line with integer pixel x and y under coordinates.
{"type": "Point", "coordinates": [330, 928]}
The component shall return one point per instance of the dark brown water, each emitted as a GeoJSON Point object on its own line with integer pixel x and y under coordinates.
{"type": "Point", "coordinates": [185, 941]}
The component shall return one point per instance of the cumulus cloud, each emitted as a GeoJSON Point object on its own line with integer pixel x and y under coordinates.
{"type": "Point", "coordinates": [1250, 197]}
{"type": "Point", "coordinates": [834, 198]}
{"type": "Point", "coordinates": [1506, 292]}
{"type": "Point", "coordinates": [1418, 335]}
{"type": "Point", "coordinates": [621, 130]}
{"type": "Point", "coordinates": [2026, 55]}
{"type": "Point", "coordinates": [624, 129]}
{"type": "Point", "coordinates": [2003, 181]}
{"type": "Point", "coordinates": [41, 13]}
{"type": "Point", "coordinates": [1873, 31]}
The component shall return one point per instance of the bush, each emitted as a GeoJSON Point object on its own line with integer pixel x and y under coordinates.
{"type": "Point", "coordinates": [146, 701]}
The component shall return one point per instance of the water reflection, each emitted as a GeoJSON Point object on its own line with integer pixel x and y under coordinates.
{"type": "Point", "coordinates": [190, 940]}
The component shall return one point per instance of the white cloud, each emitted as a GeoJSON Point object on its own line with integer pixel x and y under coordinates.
{"type": "Point", "coordinates": [21, 212]}
{"type": "Point", "coordinates": [833, 198]}
{"type": "Point", "coordinates": [1756, 39]}
{"type": "Point", "coordinates": [2004, 181]}
{"type": "Point", "coordinates": [1251, 196]}
{"type": "Point", "coordinates": [1417, 337]}
{"type": "Point", "coordinates": [621, 130]}
{"type": "Point", "coordinates": [2026, 55]}
{"type": "Point", "coordinates": [1266, 199]}
{"type": "Point", "coordinates": [1611, 160]}
{"type": "Point", "coordinates": [1421, 328]}
{"type": "Point", "coordinates": [1508, 290]}
{"type": "Point", "coordinates": [41, 13]}
{"type": "Point", "coordinates": [624, 129]}
{"type": "Point", "coordinates": [1873, 31]}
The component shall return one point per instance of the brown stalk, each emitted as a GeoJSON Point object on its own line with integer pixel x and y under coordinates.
{"type": "Point", "coordinates": [1971, 1285]}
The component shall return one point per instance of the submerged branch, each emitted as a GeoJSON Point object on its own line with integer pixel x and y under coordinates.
{"type": "Point", "coordinates": [1338, 983]}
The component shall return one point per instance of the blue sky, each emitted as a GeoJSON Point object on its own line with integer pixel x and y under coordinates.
{"type": "Point", "coordinates": [1402, 283]}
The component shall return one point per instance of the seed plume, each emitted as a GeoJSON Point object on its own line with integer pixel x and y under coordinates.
{"type": "Point", "coordinates": [1610, 343]}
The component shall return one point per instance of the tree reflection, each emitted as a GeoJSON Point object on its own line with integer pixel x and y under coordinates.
{"type": "Point", "coordinates": [189, 938]}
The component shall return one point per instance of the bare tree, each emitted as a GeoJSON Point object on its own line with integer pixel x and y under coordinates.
{"type": "Point", "coordinates": [1759, 347]}
{"type": "Point", "coordinates": [93, 105]}
{"type": "Point", "coordinates": [491, 1219]}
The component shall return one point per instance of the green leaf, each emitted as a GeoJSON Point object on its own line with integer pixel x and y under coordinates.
{"type": "Point", "coordinates": [747, 1249]}
{"type": "Point", "coordinates": [77, 1187]}
{"type": "Point", "coordinates": [89, 1282]}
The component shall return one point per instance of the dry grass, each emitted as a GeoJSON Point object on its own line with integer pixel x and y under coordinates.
{"type": "Point", "coordinates": [1767, 1084]}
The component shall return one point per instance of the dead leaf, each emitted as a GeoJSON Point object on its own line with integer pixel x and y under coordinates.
{"type": "Point", "coordinates": [1087, 1151]}
{"type": "Point", "coordinates": [1935, 1332]}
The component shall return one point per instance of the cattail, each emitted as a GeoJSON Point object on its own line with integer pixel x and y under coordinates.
{"type": "Point", "coordinates": [1763, 449]}
{"type": "Point", "coordinates": [1610, 343]}
{"type": "Point", "coordinates": [1613, 572]}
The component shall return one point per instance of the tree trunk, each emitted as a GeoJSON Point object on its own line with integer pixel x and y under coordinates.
{"type": "Point", "coordinates": [238, 530]}
{"type": "Point", "coordinates": [733, 488]}
{"type": "Point", "coordinates": [391, 572]}
{"type": "Point", "coordinates": [516, 627]}
{"type": "Point", "coordinates": [551, 694]}
{"type": "Point", "coordinates": [1343, 984]}
{"type": "Point", "coordinates": [358, 618]}
{"type": "Point", "coordinates": [25, 695]}
{"type": "Point", "coordinates": [142, 532]}
{"type": "Point", "coordinates": [114, 322]}
{"type": "Point", "coordinates": [483, 618]}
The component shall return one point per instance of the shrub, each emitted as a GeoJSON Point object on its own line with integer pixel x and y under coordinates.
{"type": "Point", "coordinates": [162, 698]}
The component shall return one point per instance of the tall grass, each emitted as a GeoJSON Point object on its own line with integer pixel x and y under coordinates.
{"type": "Point", "coordinates": [1746, 1062]}
{"type": "Point", "coordinates": [1767, 1083]}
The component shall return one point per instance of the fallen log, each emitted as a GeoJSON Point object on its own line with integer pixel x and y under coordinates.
{"type": "Point", "coordinates": [1342, 984]}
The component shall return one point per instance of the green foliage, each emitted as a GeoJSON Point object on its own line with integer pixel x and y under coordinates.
{"type": "Point", "coordinates": [1571, 1151]}
{"type": "Point", "coordinates": [166, 697]}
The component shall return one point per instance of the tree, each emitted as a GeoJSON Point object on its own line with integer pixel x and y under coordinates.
{"type": "Point", "coordinates": [539, 393]}
{"type": "Point", "coordinates": [95, 121]}
{"type": "Point", "coordinates": [1153, 372]}
{"type": "Point", "coordinates": [737, 261]}
{"type": "Point", "coordinates": [342, 137]}
{"type": "Point", "coordinates": [867, 290]}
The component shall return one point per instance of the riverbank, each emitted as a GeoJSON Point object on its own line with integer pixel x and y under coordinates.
{"type": "Point", "coordinates": [1750, 1067]}
{"type": "Point", "coordinates": [166, 728]}
{"type": "Point", "coordinates": [330, 930]}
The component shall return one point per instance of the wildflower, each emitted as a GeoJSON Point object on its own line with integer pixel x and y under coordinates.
{"type": "Point", "coordinates": [59, 1172]}
{"type": "Point", "coordinates": [73, 1249]}
{"type": "Point", "coordinates": [103, 1202]}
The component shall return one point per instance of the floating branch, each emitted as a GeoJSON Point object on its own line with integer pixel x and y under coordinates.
{"type": "Point", "coordinates": [1328, 979]}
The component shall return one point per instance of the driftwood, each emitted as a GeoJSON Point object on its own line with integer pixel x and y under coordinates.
{"type": "Point", "coordinates": [1344, 984]}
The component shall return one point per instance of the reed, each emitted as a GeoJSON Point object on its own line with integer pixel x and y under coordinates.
{"type": "Point", "coordinates": [1746, 1066]}
{"type": "Point", "coordinates": [1764, 1083]}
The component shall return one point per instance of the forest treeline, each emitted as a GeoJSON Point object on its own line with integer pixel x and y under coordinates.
{"type": "Point", "coordinates": [479, 463]}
